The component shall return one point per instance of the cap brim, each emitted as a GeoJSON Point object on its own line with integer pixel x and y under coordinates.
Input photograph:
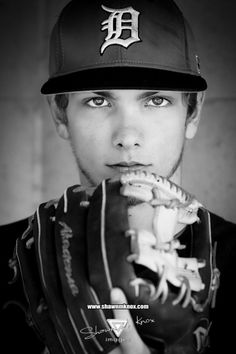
{"type": "Point", "coordinates": [124, 78]}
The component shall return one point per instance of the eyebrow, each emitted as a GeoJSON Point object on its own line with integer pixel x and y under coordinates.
{"type": "Point", "coordinates": [147, 94]}
{"type": "Point", "coordinates": [108, 94]}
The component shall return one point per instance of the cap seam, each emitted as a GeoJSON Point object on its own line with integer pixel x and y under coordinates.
{"type": "Point", "coordinates": [61, 45]}
{"type": "Point", "coordinates": [61, 36]}
{"type": "Point", "coordinates": [184, 31]}
{"type": "Point", "coordinates": [119, 49]}
{"type": "Point", "coordinates": [186, 43]}
{"type": "Point", "coordinates": [58, 49]}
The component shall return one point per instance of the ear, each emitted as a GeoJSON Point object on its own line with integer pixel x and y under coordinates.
{"type": "Point", "coordinates": [193, 121]}
{"type": "Point", "coordinates": [59, 118]}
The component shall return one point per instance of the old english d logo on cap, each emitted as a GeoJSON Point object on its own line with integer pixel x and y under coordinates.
{"type": "Point", "coordinates": [118, 21]}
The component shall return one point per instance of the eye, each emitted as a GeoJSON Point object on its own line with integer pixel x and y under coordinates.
{"type": "Point", "coordinates": [157, 101]}
{"type": "Point", "coordinates": [97, 102]}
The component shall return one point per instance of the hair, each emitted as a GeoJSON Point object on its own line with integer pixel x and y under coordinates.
{"type": "Point", "coordinates": [190, 98]}
{"type": "Point", "coordinates": [62, 101]}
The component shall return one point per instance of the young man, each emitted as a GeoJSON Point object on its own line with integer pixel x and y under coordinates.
{"type": "Point", "coordinates": [125, 90]}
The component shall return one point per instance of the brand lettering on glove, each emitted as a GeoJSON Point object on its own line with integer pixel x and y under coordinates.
{"type": "Point", "coordinates": [66, 234]}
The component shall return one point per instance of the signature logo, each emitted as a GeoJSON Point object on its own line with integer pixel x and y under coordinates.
{"type": "Point", "coordinates": [91, 332]}
{"type": "Point", "coordinates": [117, 326]}
{"type": "Point", "coordinates": [141, 321]}
{"type": "Point", "coordinates": [120, 20]}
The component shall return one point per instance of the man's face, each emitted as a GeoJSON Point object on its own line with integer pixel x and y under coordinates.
{"type": "Point", "coordinates": [124, 130]}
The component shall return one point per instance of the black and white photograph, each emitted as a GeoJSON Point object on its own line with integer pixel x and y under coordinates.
{"type": "Point", "coordinates": [117, 176]}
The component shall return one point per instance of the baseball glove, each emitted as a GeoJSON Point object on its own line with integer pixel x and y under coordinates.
{"type": "Point", "coordinates": [128, 234]}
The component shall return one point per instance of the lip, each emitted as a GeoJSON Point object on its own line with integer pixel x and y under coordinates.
{"type": "Point", "coordinates": [124, 166]}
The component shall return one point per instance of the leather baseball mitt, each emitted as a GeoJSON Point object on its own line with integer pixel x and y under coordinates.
{"type": "Point", "coordinates": [53, 263]}
{"type": "Point", "coordinates": [128, 233]}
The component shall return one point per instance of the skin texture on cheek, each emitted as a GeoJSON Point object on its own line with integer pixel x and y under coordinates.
{"type": "Point", "coordinates": [85, 177]}
{"type": "Point", "coordinates": [176, 166]}
{"type": "Point", "coordinates": [169, 145]}
{"type": "Point", "coordinates": [89, 143]}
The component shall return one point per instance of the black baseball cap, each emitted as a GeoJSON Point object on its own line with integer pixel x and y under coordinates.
{"type": "Point", "coordinates": [131, 44]}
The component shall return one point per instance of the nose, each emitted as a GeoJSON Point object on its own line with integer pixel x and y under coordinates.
{"type": "Point", "coordinates": [127, 138]}
{"type": "Point", "coordinates": [128, 133]}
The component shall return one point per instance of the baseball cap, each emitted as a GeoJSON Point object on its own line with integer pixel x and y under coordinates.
{"type": "Point", "coordinates": [116, 44]}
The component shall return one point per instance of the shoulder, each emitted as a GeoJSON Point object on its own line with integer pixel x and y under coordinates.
{"type": "Point", "coordinates": [224, 239]}
{"type": "Point", "coordinates": [17, 336]}
{"type": "Point", "coordinates": [223, 329]}
{"type": "Point", "coordinates": [8, 234]}
{"type": "Point", "coordinates": [221, 226]}
{"type": "Point", "coordinates": [14, 229]}
{"type": "Point", "coordinates": [224, 234]}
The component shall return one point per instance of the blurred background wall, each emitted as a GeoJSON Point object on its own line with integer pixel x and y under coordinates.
{"type": "Point", "coordinates": [36, 165]}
